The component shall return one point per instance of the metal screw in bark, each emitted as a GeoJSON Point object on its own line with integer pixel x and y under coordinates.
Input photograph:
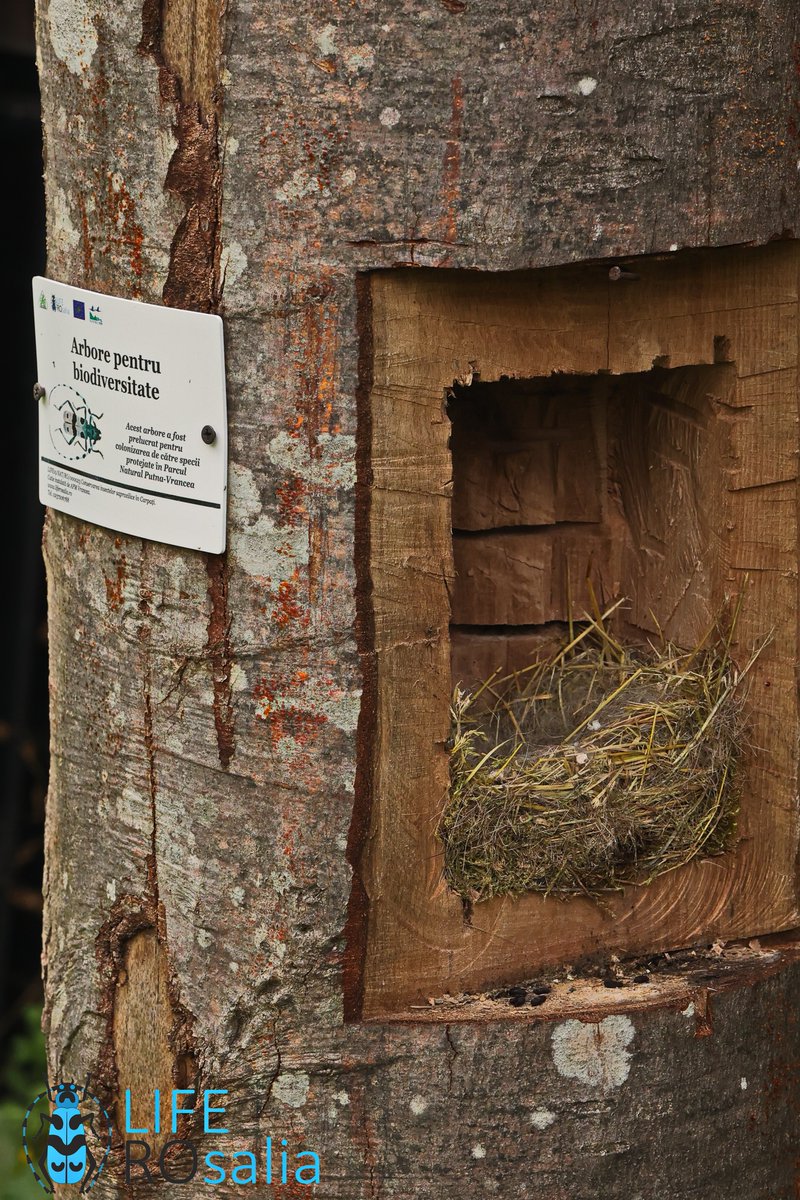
{"type": "Point", "coordinates": [208, 434]}
{"type": "Point", "coordinates": [39, 392]}
{"type": "Point", "coordinates": [616, 273]}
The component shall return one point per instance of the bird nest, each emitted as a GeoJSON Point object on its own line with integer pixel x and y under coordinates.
{"type": "Point", "coordinates": [598, 767]}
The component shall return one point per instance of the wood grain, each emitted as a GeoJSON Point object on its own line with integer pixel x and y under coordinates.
{"type": "Point", "coordinates": [525, 455]}
{"type": "Point", "coordinates": [696, 522]}
{"type": "Point", "coordinates": [192, 48]}
{"type": "Point", "coordinates": [530, 577]}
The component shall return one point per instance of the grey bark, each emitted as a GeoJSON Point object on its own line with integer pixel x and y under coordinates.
{"type": "Point", "coordinates": [205, 712]}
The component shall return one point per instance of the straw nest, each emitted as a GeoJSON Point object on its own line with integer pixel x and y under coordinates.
{"type": "Point", "coordinates": [599, 767]}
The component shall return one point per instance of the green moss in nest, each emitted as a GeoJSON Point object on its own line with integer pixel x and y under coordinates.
{"type": "Point", "coordinates": [600, 767]}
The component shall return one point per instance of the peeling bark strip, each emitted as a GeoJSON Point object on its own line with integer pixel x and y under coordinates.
{"type": "Point", "coordinates": [185, 39]}
{"type": "Point", "coordinates": [194, 175]}
{"type": "Point", "coordinates": [221, 656]}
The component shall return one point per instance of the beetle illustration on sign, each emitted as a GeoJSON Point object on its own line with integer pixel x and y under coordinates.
{"type": "Point", "coordinates": [74, 428]}
{"type": "Point", "coordinates": [67, 1157]}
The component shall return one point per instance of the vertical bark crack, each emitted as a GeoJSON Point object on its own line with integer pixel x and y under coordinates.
{"type": "Point", "coordinates": [152, 858]}
{"type": "Point", "coordinates": [221, 656]}
{"type": "Point", "coordinates": [184, 37]}
{"type": "Point", "coordinates": [452, 1056]}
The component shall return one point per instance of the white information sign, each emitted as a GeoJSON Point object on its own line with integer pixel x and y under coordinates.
{"type": "Point", "coordinates": [133, 430]}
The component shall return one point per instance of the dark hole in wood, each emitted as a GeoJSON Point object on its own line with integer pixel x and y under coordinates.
{"type": "Point", "coordinates": [566, 478]}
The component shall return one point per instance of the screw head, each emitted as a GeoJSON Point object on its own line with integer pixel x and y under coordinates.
{"type": "Point", "coordinates": [39, 392]}
{"type": "Point", "coordinates": [209, 434]}
{"type": "Point", "coordinates": [616, 272]}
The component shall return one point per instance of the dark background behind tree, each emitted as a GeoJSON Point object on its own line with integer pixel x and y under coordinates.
{"type": "Point", "coordinates": [23, 668]}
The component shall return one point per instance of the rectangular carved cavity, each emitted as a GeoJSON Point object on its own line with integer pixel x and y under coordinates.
{"type": "Point", "coordinates": [582, 491]}
{"type": "Point", "coordinates": [569, 479]}
{"type": "Point", "coordinates": [644, 431]}
{"type": "Point", "coordinates": [525, 453]}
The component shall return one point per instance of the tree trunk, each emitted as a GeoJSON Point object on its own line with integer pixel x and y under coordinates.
{"type": "Point", "coordinates": [209, 813]}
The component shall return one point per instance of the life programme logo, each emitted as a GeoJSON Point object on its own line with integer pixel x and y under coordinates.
{"type": "Point", "coordinates": [71, 1143]}
{"type": "Point", "coordinates": [66, 1155]}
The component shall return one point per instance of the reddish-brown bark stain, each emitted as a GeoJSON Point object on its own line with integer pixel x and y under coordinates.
{"type": "Point", "coordinates": [115, 587]}
{"type": "Point", "coordinates": [287, 610]}
{"type": "Point", "coordinates": [220, 656]}
{"type": "Point", "coordinates": [451, 172]}
{"type": "Point", "coordinates": [285, 719]}
{"type": "Point", "coordinates": [703, 1014]}
{"type": "Point", "coordinates": [291, 495]}
{"type": "Point", "coordinates": [88, 256]}
{"type": "Point", "coordinates": [116, 208]}
{"type": "Point", "coordinates": [150, 748]}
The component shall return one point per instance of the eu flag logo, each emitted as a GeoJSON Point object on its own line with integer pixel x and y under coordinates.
{"type": "Point", "coordinates": [79, 310]}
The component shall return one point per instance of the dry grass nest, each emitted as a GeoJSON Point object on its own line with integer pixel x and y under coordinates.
{"type": "Point", "coordinates": [599, 767]}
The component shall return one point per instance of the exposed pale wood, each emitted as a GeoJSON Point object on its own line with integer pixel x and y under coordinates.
{"type": "Point", "coordinates": [689, 984]}
{"type": "Point", "coordinates": [192, 44]}
{"type": "Point", "coordinates": [646, 475]}
{"type": "Point", "coordinates": [679, 443]}
{"type": "Point", "coordinates": [143, 1020]}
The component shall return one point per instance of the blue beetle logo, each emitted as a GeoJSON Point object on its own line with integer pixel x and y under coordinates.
{"type": "Point", "coordinates": [67, 1157]}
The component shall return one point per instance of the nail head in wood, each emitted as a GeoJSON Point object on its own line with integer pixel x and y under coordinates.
{"type": "Point", "coordinates": [616, 273]}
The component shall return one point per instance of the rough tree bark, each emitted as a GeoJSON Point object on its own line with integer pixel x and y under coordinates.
{"type": "Point", "coordinates": [253, 159]}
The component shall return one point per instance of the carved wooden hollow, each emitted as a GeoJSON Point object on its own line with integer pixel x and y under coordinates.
{"type": "Point", "coordinates": [611, 479]}
{"type": "Point", "coordinates": [627, 424]}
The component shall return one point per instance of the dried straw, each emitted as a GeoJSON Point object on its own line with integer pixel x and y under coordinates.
{"type": "Point", "coordinates": [599, 767]}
